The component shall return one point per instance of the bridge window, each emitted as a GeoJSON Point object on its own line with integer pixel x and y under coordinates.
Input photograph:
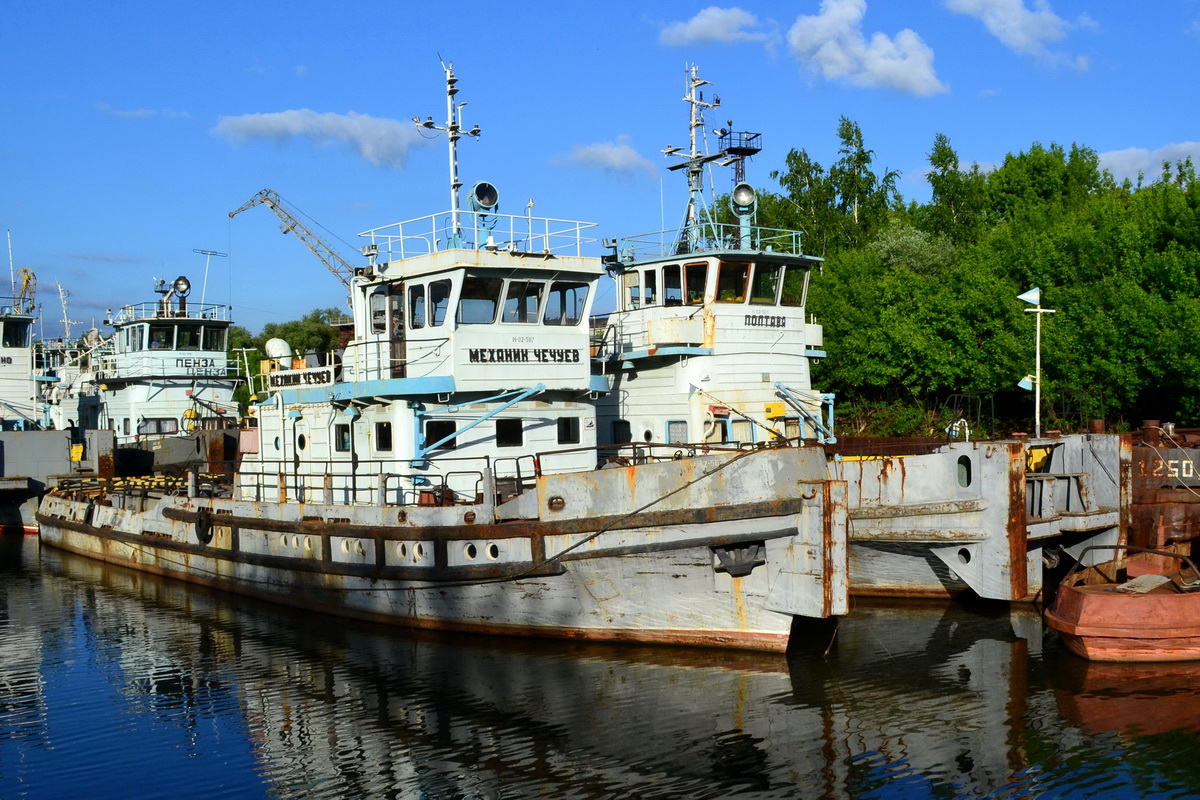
{"type": "Point", "coordinates": [522, 301]}
{"type": "Point", "coordinates": [438, 429]}
{"type": "Point", "coordinates": [479, 300]}
{"type": "Point", "coordinates": [439, 301]}
{"type": "Point", "coordinates": [509, 433]}
{"type": "Point", "coordinates": [795, 286]}
{"type": "Point", "coordinates": [383, 436]}
{"type": "Point", "coordinates": [764, 291]}
{"type": "Point", "coordinates": [568, 430]}
{"type": "Point", "coordinates": [155, 425]}
{"type": "Point", "coordinates": [214, 338]}
{"type": "Point", "coordinates": [161, 337]}
{"type": "Point", "coordinates": [650, 293]}
{"type": "Point", "coordinates": [731, 282]}
{"type": "Point", "coordinates": [379, 312]}
{"type": "Point", "coordinates": [564, 305]}
{"type": "Point", "coordinates": [416, 306]}
{"type": "Point", "coordinates": [187, 337]}
{"type": "Point", "coordinates": [135, 337]}
{"type": "Point", "coordinates": [16, 333]}
{"type": "Point", "coordinates": [695, 282]}
{"type": "Point", "coordinates": [672, 286]}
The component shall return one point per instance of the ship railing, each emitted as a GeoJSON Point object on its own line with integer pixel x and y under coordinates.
{"type": "Point", "coordinates": [708, 237]}
{"type": "Point", "coordinates": [155, 310]}
{"type": "Point", "coordinates": [477, 230]}
{"type": "Point", "coordinates": [374, 482]}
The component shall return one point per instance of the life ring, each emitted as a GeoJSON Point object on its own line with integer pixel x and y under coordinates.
{"type": "Point", "coordinates": [204, 533]}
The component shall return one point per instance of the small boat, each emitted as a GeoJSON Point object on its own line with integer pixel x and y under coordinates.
{"type": "Point", "coordinates": [1144, 606]}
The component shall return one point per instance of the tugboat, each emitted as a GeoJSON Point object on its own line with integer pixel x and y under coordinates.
{"type": "Point", "coordinates": [162, 382]}
{"type": "Point", "coordinates": [445, 471]}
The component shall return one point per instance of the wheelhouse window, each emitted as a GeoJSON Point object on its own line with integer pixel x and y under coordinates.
{"type": "Point", "coordinates": [439, 302]}
{"type": "Point", "coordinates": [764, 290]}
{"type": "Point", "coordinates": [16, 333]}
{"type": "Point", "coordinates": [187, 337]}
{"type": "Point", "coordinates": [672, 286]}
{"type": "Point", "coordinates": [379, 312]}
{"type": "Point", "coordinates": [731, 282]}
{"type": "Point", "coordinates": [479, 300]}
{"type": "Point", "coordinates": [696, 279]}
{"type": "Point", "coordinates": [522, 301]}
{"type": "Point", "coordinates": [341, 438]}
{"type": "Point", "coordinates": [650, 287]}
{"type": "Point", "coordinates": [633, 289]}
{"type": "Point", "coordinates": [135, 337]}
{"type": "Point", "coordinates": [162, 337]}
{"type": "Point", "coordinates": [565, 303]}
{"type": "Point", "coordinates": [509, 433]}
{"type": "Point", "coordinates": [150, 426]}
{"type": "Point", "coordinates": [416, 306]}
{"type": "Point", "coordinates": [795, 286]}
{"type": "Point", "coordinates": [214, 338]}
{"type": "Point", "coordinates": [568, 430]}
{"type": "Point", "coordinates": [383, 437]}
{"type": "Point", "coordinates": [438, 429]}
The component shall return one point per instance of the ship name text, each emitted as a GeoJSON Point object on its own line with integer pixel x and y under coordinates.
{"type": "Point", "coordinates": [765, 321]}
{"type": "Point", "coordinates": [523, 355]}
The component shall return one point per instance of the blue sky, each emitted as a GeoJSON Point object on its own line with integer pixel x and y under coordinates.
{"type": "Point", "coordinates": [131, 129]}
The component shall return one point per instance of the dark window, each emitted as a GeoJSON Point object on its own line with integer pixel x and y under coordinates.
{"type": "Point", "coordinates": [672, 286]}
{"type": "Point", "coordinates": [438, 429]}
{"type": "Point", "coordinates": [795, 286]}
{"type": "Point", "coordinates": [696, 276]}
{"type": "Point", "coordinates": [731, 282]}
{"type": "Point", "coordinates": [568, 430]}
{"type": "Point", "coordinates": [383, 436]}
{"type": "Point", "coordinates": [621, 432]}
{"type": "Point", "coordinates": [379, 312]}
{"type": "Point", "coordinates": [522, 301]}
{"type": "Point", "coordinates": [766, 285]}
{"type": "Point", "coordinates": [479, 300]}
{"type": "Point", "coordinates": [214, 338]}
{"type": "Point", "coordinates": [16, 333]}
{"type": "Point", "coordinates": [341, 438]}
{"type": "Point", "coordinates": [188, 338]}
{"type": "Point", "coordinates": [416, 306]}
{"type": "Point", "coordinates": [564, 306]}
{"type": "Point", "coordinates": [509, 433]}
{"type": "Point", "coordinates": [161, 337]}
{"type": "Point", "coordinates": [650, 295]}
{"type": "Point", "coordinates": [439, 301]}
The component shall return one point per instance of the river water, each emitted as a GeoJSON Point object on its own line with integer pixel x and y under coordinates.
{"type": "Point", "coordinates": [115, 684]}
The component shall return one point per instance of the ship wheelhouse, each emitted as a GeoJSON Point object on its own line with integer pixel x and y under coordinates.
{"type": "Point", "coordinates": [469, 363]}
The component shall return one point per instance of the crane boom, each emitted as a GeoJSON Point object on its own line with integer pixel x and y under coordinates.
{"type": "Point", "coordinates": [341, 269]}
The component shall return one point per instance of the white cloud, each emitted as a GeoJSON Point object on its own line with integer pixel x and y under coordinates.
{"type": "Point", "coordinates": [1023, 30]}
{"type": "Point", "coordinates": [142, 113]}
{"type": "Point", "coordinates": [382, 142]}
{"type": "Point", "coordinates": [713, 24]}
{"type": "Point", "coordinates": [616, 157]}
{"type": "Point", "coordinates": [832, 44]}
{"type": "Point", "coordinates": [1128, 163]}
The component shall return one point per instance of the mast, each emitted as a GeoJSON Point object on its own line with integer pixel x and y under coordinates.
{"type": "Point", "coordinates": [454, 132]}
{"type": "Point", "coordinates": [694, 160]}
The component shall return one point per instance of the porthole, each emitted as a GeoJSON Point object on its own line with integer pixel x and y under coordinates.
{"type": "Point", "coordinates": [418, 552]}
{"type": "Point", "coordinates": [345, 546]}
{"type": "Point", "coordinates": [358, 548]}
{"type": "Point", "coordinates": [276, 442]}
{"type": "Point", "coordinates": [301, 441]}
{"type": "Point", "coordinates": [308, 543]}
{"type": "Point", "coordinates": [493, 551]}
{"type": "Point", "coordinates": [964, 471]}
{"type": "Point", "coordinates": [964, 555]}
{"type": "Point", "coordinates": [470, 551]}
{"type": "Point", "coordinates": [295, 542]}
{"type": "Point", "coordinates": [402, 550]}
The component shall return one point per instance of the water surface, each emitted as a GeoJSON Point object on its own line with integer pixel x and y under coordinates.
{"type": "Point", "coordinates": [117, 684]}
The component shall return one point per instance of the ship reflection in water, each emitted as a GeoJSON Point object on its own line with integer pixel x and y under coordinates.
{"type": "Point", "coordinates": [116, 684]}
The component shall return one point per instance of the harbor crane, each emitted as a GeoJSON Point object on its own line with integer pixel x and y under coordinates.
{"type": "Point", "coordinates": [341, 269]}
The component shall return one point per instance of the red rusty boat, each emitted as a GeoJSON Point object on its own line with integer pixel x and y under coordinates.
{"type": "Point", "coordinates": [1143, 606]}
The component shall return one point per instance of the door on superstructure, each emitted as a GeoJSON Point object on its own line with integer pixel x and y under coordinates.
{"type": "Point", "coordinates": [396, 329]}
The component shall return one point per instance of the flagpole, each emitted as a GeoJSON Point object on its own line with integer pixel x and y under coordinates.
{"type": "Point", "coordinates": [1034, 297]}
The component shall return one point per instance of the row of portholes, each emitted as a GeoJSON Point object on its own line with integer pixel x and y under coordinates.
{"type": "Point", "coordinates": [418, 551]}
{"type": "Point", "coordinates": [296, 542]}
{"type": "Point", "coordinates": [349, 547]}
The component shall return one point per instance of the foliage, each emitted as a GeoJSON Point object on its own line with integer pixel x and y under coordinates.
{"type": "Point", "coordinates": [920, 302]}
